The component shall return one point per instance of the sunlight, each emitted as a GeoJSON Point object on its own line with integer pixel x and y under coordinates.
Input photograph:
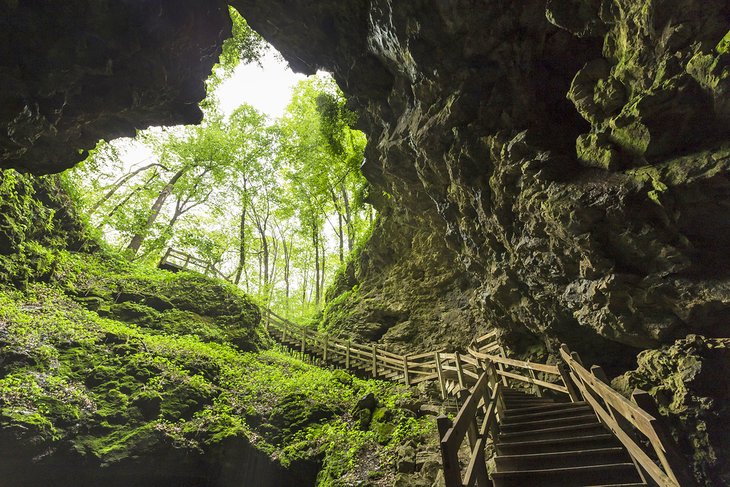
{"type": "Point", "coordinates": [267, 87]}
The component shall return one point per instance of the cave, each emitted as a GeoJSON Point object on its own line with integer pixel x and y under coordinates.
{"type": "Point", "coordinates": [557, 170]}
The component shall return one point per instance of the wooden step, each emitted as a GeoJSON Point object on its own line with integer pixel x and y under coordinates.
{"type": "Point", "coordinates": [539, 409]}
{"type": "Point", "coordinates": [526, 403]}
{"type": "Point", "coordinates": [555, 433]}
{"type": "Point", "coordinates": [569, 477]}
{"type": "Point", "coordinates": [618, 485]}
{"type": "Point", "coordinates": [577, 458]}
{"type": "Point", "coordinates": [524, 447]}
{"type": "Point", "coordinates": [515, 393]}
{"type": "Point", "coordinates": [578, 409]}
{"type": "Point", "coordinates": [548, 423]}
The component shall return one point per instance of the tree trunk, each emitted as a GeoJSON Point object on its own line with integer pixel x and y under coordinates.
{"type": "Point", "coordinates": [287, 260]}
{"type": "Point", "coordinates": [322, 251]}
{"type": "Point", "coordinates": [242, 236]}
{"type": "Point", "coordinates": [137, 240]}
{"type": "Point", "coordinates": [340, 234]}
{"type": "Point", "coordinates": [127, 198]}
{"type": "Point", "coordinates": [315, 244]}
{"type": "Point", "coordinates": [348, 218]}
{"type": "Point", "coordinates": [118, 184]}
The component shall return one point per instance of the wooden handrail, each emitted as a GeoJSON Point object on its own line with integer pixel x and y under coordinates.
{"type": "Point", "coordinates": [482, 373]}
{"type": "Point", "coordinates": [453, 434]}
{"type": "Point", "coordinates": [624, 418]}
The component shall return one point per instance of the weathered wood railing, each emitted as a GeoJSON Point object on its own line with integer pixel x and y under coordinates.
{"type": "Point", "coordinates": [478, 378]}
{"type": "Point", "coordinates": [370, 359]}
{"type": "Point", "coordinates": [628, 419]}
{"type": "Point", "coordinates": [181, 260]}
{"type": "Point", "coordinates": [496, 372]}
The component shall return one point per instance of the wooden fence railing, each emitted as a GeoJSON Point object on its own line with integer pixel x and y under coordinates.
{"type": "Point", "coordinates": [496, 372]}
{"type": "Point", "coordinates": [630, 420]}
{"type": "Point", "coordinates": [478, 378]}
{"type": "Point", "coordinates": [183, 261]}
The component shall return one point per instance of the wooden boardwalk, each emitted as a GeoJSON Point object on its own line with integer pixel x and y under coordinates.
{"type": "Point", "coordinates": [549, 424]}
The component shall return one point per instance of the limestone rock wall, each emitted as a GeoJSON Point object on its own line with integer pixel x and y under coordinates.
{"type": "Point", "coordinates": [75, 72]}
{"type": "Point", "coordinates": [565, 162]}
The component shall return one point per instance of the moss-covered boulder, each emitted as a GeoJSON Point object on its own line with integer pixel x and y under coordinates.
{"type": "Point", "coordinates": [687, 380]}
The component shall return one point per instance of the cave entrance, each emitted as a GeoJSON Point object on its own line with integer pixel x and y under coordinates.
{"type": "Point", "coordinates": [266, 190]}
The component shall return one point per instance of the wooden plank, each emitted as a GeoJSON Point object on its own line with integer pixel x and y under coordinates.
{"type": "Point", "coordinates": [440, 374]}
{"type": "Point", "coordinates": [538, 392]}
{"type": "Point", "coordinates": [476, 470]}
{"type": "Point", "coordinates": [637, 416]}
{"type": "Point", "coordinates": [449, 456]}
{"type": "Point", "coordinates": [486, 336]}
{"type": "Point", "coordinates": [459, 369]}
{"type": "Point", "coordinates": [466, 414]}
{"type": "Point", "coordinates": [522, 378]}
{"type": "Point", "coordinates": [568, 383]}
{"type": "Point", "coordinates": [413, 358]}
{"type": "Point", "coordinates": [673, 462]}
{"type": "Point", "coordinates": [375, 362]}
{"type": "Point", "coordinates": [406, 375]}
{"type": "Point", "coordinates": [470, 360]}
{"type": "Point", "coordinates": [418, 380]}
{"type": "Point", "coordinates": [651, 468]}
{"type": "Point", "coordinates": [548, 369]}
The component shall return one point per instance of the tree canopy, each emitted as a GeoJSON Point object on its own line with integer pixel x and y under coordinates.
{"type": "Point", "coordinates": [276, 205]}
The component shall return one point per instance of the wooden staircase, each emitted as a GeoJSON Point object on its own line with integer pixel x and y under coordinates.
{"type": "Point", "coordinates": [548, 443]}
{"type": "Point", "coordinates": [590, 436]}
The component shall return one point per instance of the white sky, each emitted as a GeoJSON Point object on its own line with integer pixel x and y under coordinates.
{"type": "Point", "coordinates": [267, 88]}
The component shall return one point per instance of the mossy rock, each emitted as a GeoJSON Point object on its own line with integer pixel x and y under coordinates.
{"type": "Point", "coordinates": [294, 412]}
{"type": "Point", "coordinates": [132, 312]}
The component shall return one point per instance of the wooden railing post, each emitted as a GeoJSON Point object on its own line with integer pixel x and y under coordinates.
{"type": "Point", "coordinates": [324, 352]}
{"type": "Point", "coordinates": [531, 373]}
{"type": "Point", "coordinates": [459, 370]}
{"type": "Point", "coordinates": [165, 257]}
{"type": "Point", "coordinates": [405, 371]}
{"type": "Point", "coordinates": [304, 334]}
{"type": "Point", "coordinates": [674, 465]}
{"type": "Point", "coordinates": [501, 367]}
{"type": "Point", "coordinates": [440, 374]}
{"type": "Point", "coordinates": [495, 383]}
{"type": "Point", "coordinates": [347, 355]}
{"type": "Point", "coordinates": [567, 382]}
{"type": "Point", "coordinates": [375, 361]}
{"type": "Point", "coordinates": [449, 456]}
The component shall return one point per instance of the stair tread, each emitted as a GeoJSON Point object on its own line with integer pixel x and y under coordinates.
{"type": "Point", "coordinates": [567, 470]}
{"type": "Point", "coordinates": [575, 439]}
{"type": "Point", "coordinates": [516, 419]}
{"type": "Point", "coordinates": [544, 407]}
{"type": "Point", "coordinates": [551, 421]}
{"type": "Point", "coordinates": [559, 429]}
{"type": "Point", "coordinates": [548, 455]}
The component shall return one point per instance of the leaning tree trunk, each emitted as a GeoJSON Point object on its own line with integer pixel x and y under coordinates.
{"type": "Point", "coordinates": [315, 244]}
{"type": "Point", "coordinates": [118, 184]}
{"type": "Point", "coordinates": [137, 240]}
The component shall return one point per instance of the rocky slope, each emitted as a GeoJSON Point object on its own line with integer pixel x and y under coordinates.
{"type": "Point", "coordinates": [117, 374]}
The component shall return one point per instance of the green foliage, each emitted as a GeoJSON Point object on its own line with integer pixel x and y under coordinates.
{"type": "Point", "coordinates": [112, 389]}
{"type": "Point", "coordinates": [245, 45]}
{"type": "Point", "coordinates": [112, 360]}
{"type": "Point", "coordinates": [260, 202]}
